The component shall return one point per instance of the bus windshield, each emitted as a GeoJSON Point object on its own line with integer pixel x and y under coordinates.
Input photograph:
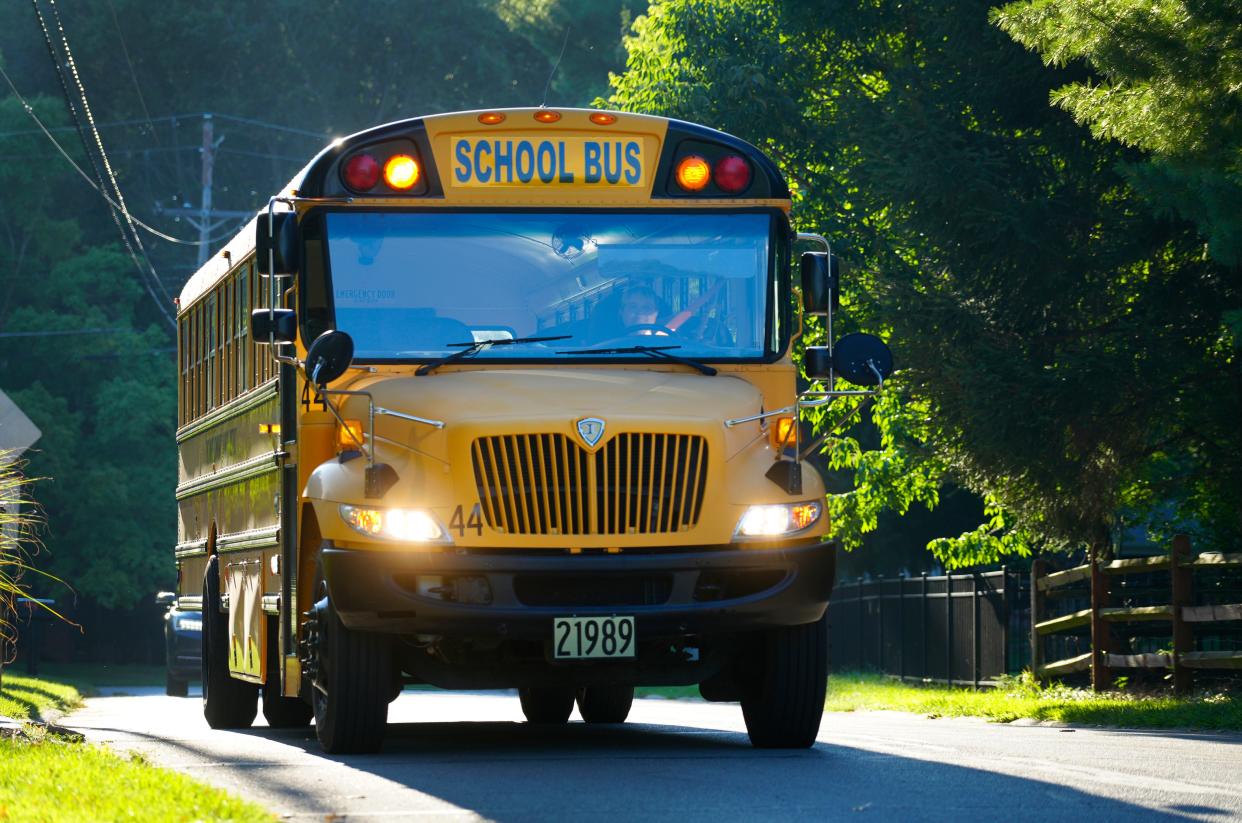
{"type": "Point", "coordinates": [410, 285]}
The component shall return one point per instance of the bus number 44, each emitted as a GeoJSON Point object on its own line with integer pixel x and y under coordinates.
{"type": "Point", "coordinates": [460, 523]}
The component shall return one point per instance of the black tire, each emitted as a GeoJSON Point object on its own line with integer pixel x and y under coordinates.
{"type": "Point", "coordinates": [783, 708]}
{"type": "Point", "coordinates": [352, 686]}
{"type": "Point", "coordinates": [227, 703]}
{"type": "Point", "coordinates": [605, 704]}
{"type": "Point", "coordinates": [547, 704]}
{"type": "Point", "coordinates": [175, 686]}
{"type": "Point", "coordinates": [279, 711]}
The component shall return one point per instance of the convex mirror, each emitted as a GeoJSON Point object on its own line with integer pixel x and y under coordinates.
{"type": "Point", "coordinates": [329, 356]}
{"type": "Point", "coordinates": [862, 359]}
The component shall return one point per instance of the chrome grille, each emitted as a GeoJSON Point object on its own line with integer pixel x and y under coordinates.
{"type": "Point", "coordinates": [548, 484]}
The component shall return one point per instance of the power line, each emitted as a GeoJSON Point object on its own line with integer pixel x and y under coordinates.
{"type": "Point", "coordinates": [63, 153]}
{"type": "Point", "coordinates": [145, 275]}
{"type": "Point", "coordinates": [174, 119]}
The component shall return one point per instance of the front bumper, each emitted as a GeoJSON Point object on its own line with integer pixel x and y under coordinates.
{"type": "Point", "coordinates": [672, 592]}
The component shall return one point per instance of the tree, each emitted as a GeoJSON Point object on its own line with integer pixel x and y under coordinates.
{"type": "Point", "coordinates": [1020, 277]}
{"type": "Point", "coordinates": [1166, 77]}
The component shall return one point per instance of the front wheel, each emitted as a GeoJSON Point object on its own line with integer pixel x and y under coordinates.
{"type": "Point", "coordinates": [351, 685]}
{"type": "Point", "coordinates": [175, 686]}
{"type": "Point", "coordinates": [227, 703]}
{"type": "Point", "coordinates": [605, 704]}
{"type": "Point", "coordinates": [783, 708]}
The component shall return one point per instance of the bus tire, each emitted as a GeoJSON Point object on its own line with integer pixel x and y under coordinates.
{"type": "Point", "coordinates": [175, 686]}
{"type": "Point", "coordinates": [605, 704]}
{"type": "Point", "coordinates": [351, 687]}
{"type": "Point", "coordinates": [547, 704]}
{"type": "Point", "coordinates": [227, 703]}
{"type": "Point", "coordinates": [279, 711]}
{"type": "Point", "coordinates": [783, 708]}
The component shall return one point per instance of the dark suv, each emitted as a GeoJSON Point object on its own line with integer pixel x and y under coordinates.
{"type": "Point", "coordinates": [183, 640]}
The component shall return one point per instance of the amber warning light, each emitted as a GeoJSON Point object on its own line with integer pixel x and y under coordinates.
{"type": "Point", "coordinates": [693, 173]}
{"type": "Point", "coordinates": [401, 172]}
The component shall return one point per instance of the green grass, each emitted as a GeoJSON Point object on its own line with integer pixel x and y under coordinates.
{"type": "Point", "coordinates": [25, 698]}
{"type": "Point", "coordinates": [1021, 697]}
{"type": "Point", "coordinates": [48, 779]}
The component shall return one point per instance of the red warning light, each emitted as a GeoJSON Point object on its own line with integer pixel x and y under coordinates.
{"type": "Point", "coordinates": [362, 172]}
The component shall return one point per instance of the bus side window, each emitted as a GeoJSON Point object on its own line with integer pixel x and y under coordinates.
{"type": "Point", "coordinates": [209, 345]}
{"type": "Point", "coordinates": [242, 287]}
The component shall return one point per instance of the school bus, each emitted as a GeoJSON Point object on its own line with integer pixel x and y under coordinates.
{"type": "Point", "coordinates": [505, 399]}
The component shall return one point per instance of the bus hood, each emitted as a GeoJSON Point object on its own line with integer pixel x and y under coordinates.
{"type": "Point", "coordinates": [477, 403]}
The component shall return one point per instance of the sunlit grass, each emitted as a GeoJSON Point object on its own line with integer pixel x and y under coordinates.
{"type": "Point", "coordinates": [23, 698]}
{"type": "Point", "coordinates": [1021, 697]}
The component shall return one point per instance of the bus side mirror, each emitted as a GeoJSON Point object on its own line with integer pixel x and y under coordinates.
{"type": "Point", "coordinates": [281, 243]}
{"type": "Point", "coordinates": [280, 324]}
{"type": "Point", "coordinates": [821, 282]}
{"type": "Point", "coordinates": [329, 357]}
{"type": "Point", "coordinates": [861, 359]}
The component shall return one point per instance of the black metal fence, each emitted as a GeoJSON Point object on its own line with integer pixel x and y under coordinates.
{"type": "Point", "coordinates": [965, 629]}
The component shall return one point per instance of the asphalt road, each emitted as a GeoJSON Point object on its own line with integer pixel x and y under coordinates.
{"type": "Point", "coordinates": [469, 756]}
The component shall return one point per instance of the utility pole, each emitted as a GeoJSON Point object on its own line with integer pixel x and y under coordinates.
{"type": "Point", "coordinates": [204, 207]}
{"type": "Point", "coordinates": [208, 218]}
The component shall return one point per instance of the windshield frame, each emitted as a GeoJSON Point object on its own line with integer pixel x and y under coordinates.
{"type": "Point", "coordinates": [778, 285]}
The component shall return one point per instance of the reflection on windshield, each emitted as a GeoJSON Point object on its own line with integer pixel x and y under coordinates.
{"type": "Point", "coordinates": [409, 285]}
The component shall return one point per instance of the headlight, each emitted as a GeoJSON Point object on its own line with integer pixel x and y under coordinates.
{"type": "Point", "coordinates": [778, 520]}
{"type": "Point", "coordinates": [408, 525]}
{"type": "Point", "coordinates": [185, 623]}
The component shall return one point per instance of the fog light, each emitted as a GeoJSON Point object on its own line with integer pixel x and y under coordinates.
{"type": "Point", "coordinates": [779, 519]}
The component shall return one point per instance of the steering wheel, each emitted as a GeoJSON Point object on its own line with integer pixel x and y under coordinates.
{"type": "Point", "coordinates": [656, 329]}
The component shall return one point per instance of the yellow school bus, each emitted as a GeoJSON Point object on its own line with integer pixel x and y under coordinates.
{"type": "Point", "coordinates": [504, 399]}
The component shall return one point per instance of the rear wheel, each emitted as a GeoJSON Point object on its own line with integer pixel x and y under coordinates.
{"type": "Point", "coordinates": [351, 686]}
{"type": "Point", "coordinates": [227, 703]}
{"type": "Point", "coordinates": [784, 707]}
{"type": "Point", "coordinates": [279, 711]}
{"type": "Point", "coordinates": [605, 704]}
{"type": "Point", "coordinates": [547, 704]}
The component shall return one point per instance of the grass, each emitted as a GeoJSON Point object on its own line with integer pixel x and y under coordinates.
{"type": "Point", "coordinates": [48, 779]}
{"type": "Point", "coordinates": [1020, 697]}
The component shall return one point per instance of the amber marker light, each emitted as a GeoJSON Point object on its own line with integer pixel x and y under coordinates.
{"type": "Point", "coordinates": [600, 118]}
{"type": "Point", "coordinates": [401, 172]}
{"type": "Point", "coordinates": [693, 172]}
{"type": "Point", "coordinates": [781, 432]}
{"type": "Point", "coordinates": [491, 118]}
{"type": "Point", "coordinates": [546, 116]}
{"type": "Point", "coordinates": [349, 436]}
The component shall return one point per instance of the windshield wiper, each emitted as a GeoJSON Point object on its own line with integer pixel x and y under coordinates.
{"type": "Point", "coordinates": [656, 352]}
{"type": "Point", "coordinates": [476, 346]}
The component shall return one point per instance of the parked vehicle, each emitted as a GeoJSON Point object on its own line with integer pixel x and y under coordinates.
{"type": "Point", "coordinates": [183, 645]}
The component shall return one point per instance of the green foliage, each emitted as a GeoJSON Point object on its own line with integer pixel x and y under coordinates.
{"type": "Point", "coordinates": [1026, 287]}
{"type": "Point", "coordinates": [1166, 78]}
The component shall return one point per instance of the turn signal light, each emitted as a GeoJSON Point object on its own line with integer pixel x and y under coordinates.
{"type": "Point", "coordinates": [362, 172]}
{"type": "Point", "coordinates": [401, 172]}
{"type": "Point", "coordinates": [693, 173]}
{"type": "Point", "coordinates": [491, 118]}
{"type": "Point", "coordinates": [732, 174]}
{"type": "Point", "coordinates": [781, 431]}
{"type": "Point", "coordinates": [349, 436]}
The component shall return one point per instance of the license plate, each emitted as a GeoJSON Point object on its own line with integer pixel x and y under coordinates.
{"type": "Point", "coordinates": [590, 638]}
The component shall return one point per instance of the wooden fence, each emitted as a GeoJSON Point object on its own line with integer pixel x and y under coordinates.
{"type": "Point", "coordinates": [1180, 610]}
